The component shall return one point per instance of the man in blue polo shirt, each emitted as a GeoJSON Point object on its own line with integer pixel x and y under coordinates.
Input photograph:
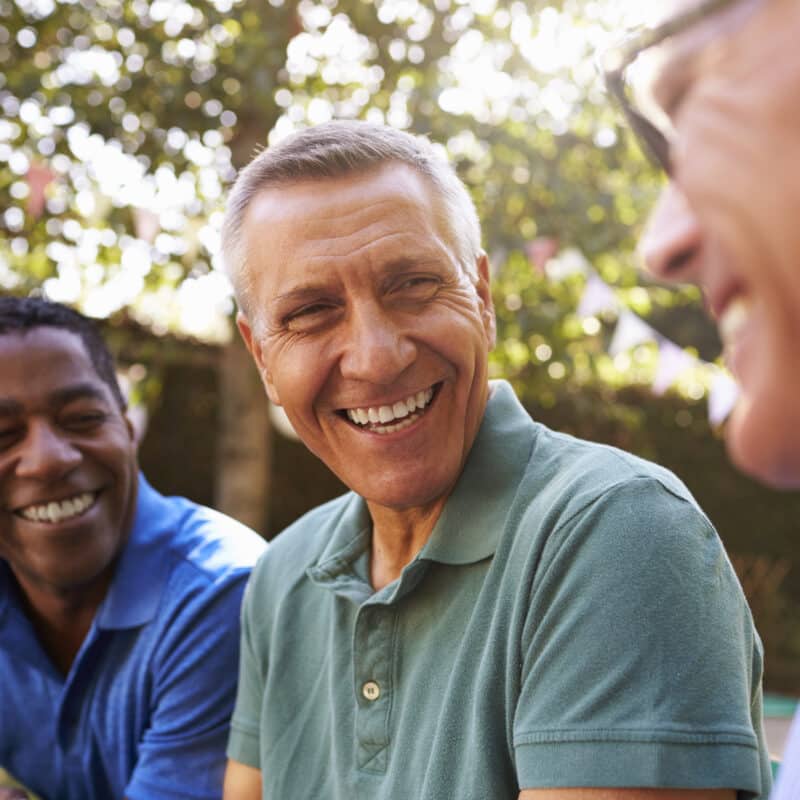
{"type": "Point", "coordinates": [118, 607]}
{"type": "Point", "coordinates": [495, 610]}
{"type": "Point", "coordinates": [723, 122]}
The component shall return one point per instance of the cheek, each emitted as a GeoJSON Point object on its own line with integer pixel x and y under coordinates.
{"type": "Point", "coordinates": [295, 380]}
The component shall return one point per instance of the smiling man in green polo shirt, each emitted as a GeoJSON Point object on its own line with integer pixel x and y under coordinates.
{"type": "Point", "coordinates": [495, 610]}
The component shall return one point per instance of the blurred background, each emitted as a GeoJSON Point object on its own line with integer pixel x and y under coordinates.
{"type": "Point", "coordinates": [124, 121]}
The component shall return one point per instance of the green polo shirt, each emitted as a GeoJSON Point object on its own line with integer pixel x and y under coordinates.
{"type": "Point", "coordinates": [572, 621]}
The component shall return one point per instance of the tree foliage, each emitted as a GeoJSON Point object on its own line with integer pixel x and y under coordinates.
{"type": "Point", "coordinates": [123, 122]}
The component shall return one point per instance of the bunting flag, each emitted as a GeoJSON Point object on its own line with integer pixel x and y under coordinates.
{"type": "Point", "coordinates": [722, 397]}
{"type": "Point", "coordinates": [568, 262]}
{"type": "Point", "coordinates": [597, 297]}
{"type": "Point", "coordinates": [540, 251]}
{"type": "Point", "coordinates": [672, 361]}
{"type": "Point", "coordinates": [631, 331]}
{"type": "Point", "coordinates": [146, 224]}
{"type": "Point", "coordinates": [39, 177]}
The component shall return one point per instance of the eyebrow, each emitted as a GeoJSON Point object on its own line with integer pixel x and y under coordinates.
{"type": "Point", "coordinates": [302, 293]}
{"type": "Point", "coordinates": [61, 397]}
{"type": "Point", "coordinates": [385, 270]}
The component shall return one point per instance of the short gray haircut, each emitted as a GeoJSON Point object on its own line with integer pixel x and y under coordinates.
{"type": "Point", "coordinates": [336, 149]}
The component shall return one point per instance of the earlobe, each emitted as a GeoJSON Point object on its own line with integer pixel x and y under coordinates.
{"type": "Point", "coordinates": [256, 351]}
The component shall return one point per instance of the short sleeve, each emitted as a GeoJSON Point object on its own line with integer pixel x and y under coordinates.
{"type": "Point", "coordinates": [640, 664]}
{"type": "Point", "coordinates": [243, 743]}
{"type": "Point", "coordinates": [182, 752]}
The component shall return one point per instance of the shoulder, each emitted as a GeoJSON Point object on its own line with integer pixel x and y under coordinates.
{"type": "Point", "coordinates": [207, 544]}
{"type": "Point", "coordinates": [572, 475]}
{"type": "Point", "coordinates": [581, 502]}
{"type": "Point", "coordinates": [301, 545]}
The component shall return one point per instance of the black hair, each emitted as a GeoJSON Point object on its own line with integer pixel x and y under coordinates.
{"type": "Point", "coordinates": [22, 314]}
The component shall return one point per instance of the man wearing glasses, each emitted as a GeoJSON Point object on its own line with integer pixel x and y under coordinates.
{"type": "Point", "coordinates": [714, 96]}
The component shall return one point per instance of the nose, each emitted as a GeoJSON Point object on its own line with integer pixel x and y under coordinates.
{"type": "Point", "coordinates": [46, 454]}
{"type": "Point", "coordinates": [670, 246]}
{"type": "Point", "coordinates": [377, 348]}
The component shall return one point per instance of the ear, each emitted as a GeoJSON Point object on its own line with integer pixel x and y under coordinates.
{"type": "Point", "coordinates": [130, 427]}
{"type": "Point", "coordinates": [484, 289]}
{"type": "Point", "coordinates": [256, 350]}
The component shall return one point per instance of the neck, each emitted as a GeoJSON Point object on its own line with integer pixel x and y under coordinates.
{"type": "Point", "coordinates": [62, 618]}
{"type": "Point", "coordinates": [397, 537]}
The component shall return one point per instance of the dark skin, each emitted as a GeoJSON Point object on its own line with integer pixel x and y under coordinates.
{"type": "Point", "coordinates": [65, 445]}
{"type": "Point", "coordinates": [62, 622]}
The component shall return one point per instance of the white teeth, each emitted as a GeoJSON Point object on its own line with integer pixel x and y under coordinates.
{"type": "Point", "coordinates": [386, 414]}
{"type": "Point", "coordinates": [734, 319]}
{"type": "Point", "coordinates": [59, 511]}
{"type": "Point", "coordinates": [400, 410]}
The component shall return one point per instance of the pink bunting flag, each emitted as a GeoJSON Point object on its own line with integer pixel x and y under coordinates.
{"type": "Point", "coordinates": [146, 224]}
{"type": "Point", "coordinates": [39, 177]}
{"type": "Point", "coordinates": [540, 251]}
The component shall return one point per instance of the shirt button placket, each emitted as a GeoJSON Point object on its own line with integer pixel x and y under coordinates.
{"type": "Point", "coordinates": [372, 654]}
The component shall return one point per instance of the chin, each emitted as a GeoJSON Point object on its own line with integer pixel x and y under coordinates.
{"type": "Point", "coordinates": [404, 498]}
{"type": "Point", "coordinates": [765, 450]}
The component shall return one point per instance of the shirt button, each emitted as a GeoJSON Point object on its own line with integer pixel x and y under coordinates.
{"type": "Point", "coordinates": [371, 691]}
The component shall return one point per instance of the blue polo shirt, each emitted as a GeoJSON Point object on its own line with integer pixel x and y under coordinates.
{"type": "Point", "coordinates": [143, 712]}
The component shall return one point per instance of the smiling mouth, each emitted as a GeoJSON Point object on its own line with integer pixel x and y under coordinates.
{"type": "Point", "coordinates": [391, 418]}
{"type": "Point", "coordinates": [59, 510]}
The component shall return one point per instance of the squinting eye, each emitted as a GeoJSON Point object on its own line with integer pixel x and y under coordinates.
{"type": "Point", "coordinates": [308, 315]}
{"type": "Point", "coordinates": [83, 422]}
{"type": "Point", "coordinates": [419, 285]}
{"type": "Point", "coordinates": [7, 436]}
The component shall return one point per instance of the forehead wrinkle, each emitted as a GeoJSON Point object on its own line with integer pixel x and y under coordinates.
{"type": "Point", "coordinates": [375, 247]}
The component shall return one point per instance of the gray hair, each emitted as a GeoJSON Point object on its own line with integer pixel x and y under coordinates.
{"type": "Point", "coordinates": [333, 150]}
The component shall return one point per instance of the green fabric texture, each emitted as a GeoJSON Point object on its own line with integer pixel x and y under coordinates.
{"type": "Point", "coordinates": [572, 621]}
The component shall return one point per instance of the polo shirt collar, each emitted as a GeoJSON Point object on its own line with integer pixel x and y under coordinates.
{"type": "Point", "coordinates": [473, 517]}
{"type": "Point", "coordinates": [135, 593]}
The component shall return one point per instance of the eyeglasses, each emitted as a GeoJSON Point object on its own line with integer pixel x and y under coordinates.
{"type": "Point", "coordinates": [616, 63]}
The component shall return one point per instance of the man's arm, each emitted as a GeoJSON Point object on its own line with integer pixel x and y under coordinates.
{"type": "Point", "coordinates": [617, 794]}
{"type": "Point", "coordinates": [641, 666]}
{"type": "Point", "coordinates": [194, 672]}
{"type": "Point", "coordinates": [241, 782]}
